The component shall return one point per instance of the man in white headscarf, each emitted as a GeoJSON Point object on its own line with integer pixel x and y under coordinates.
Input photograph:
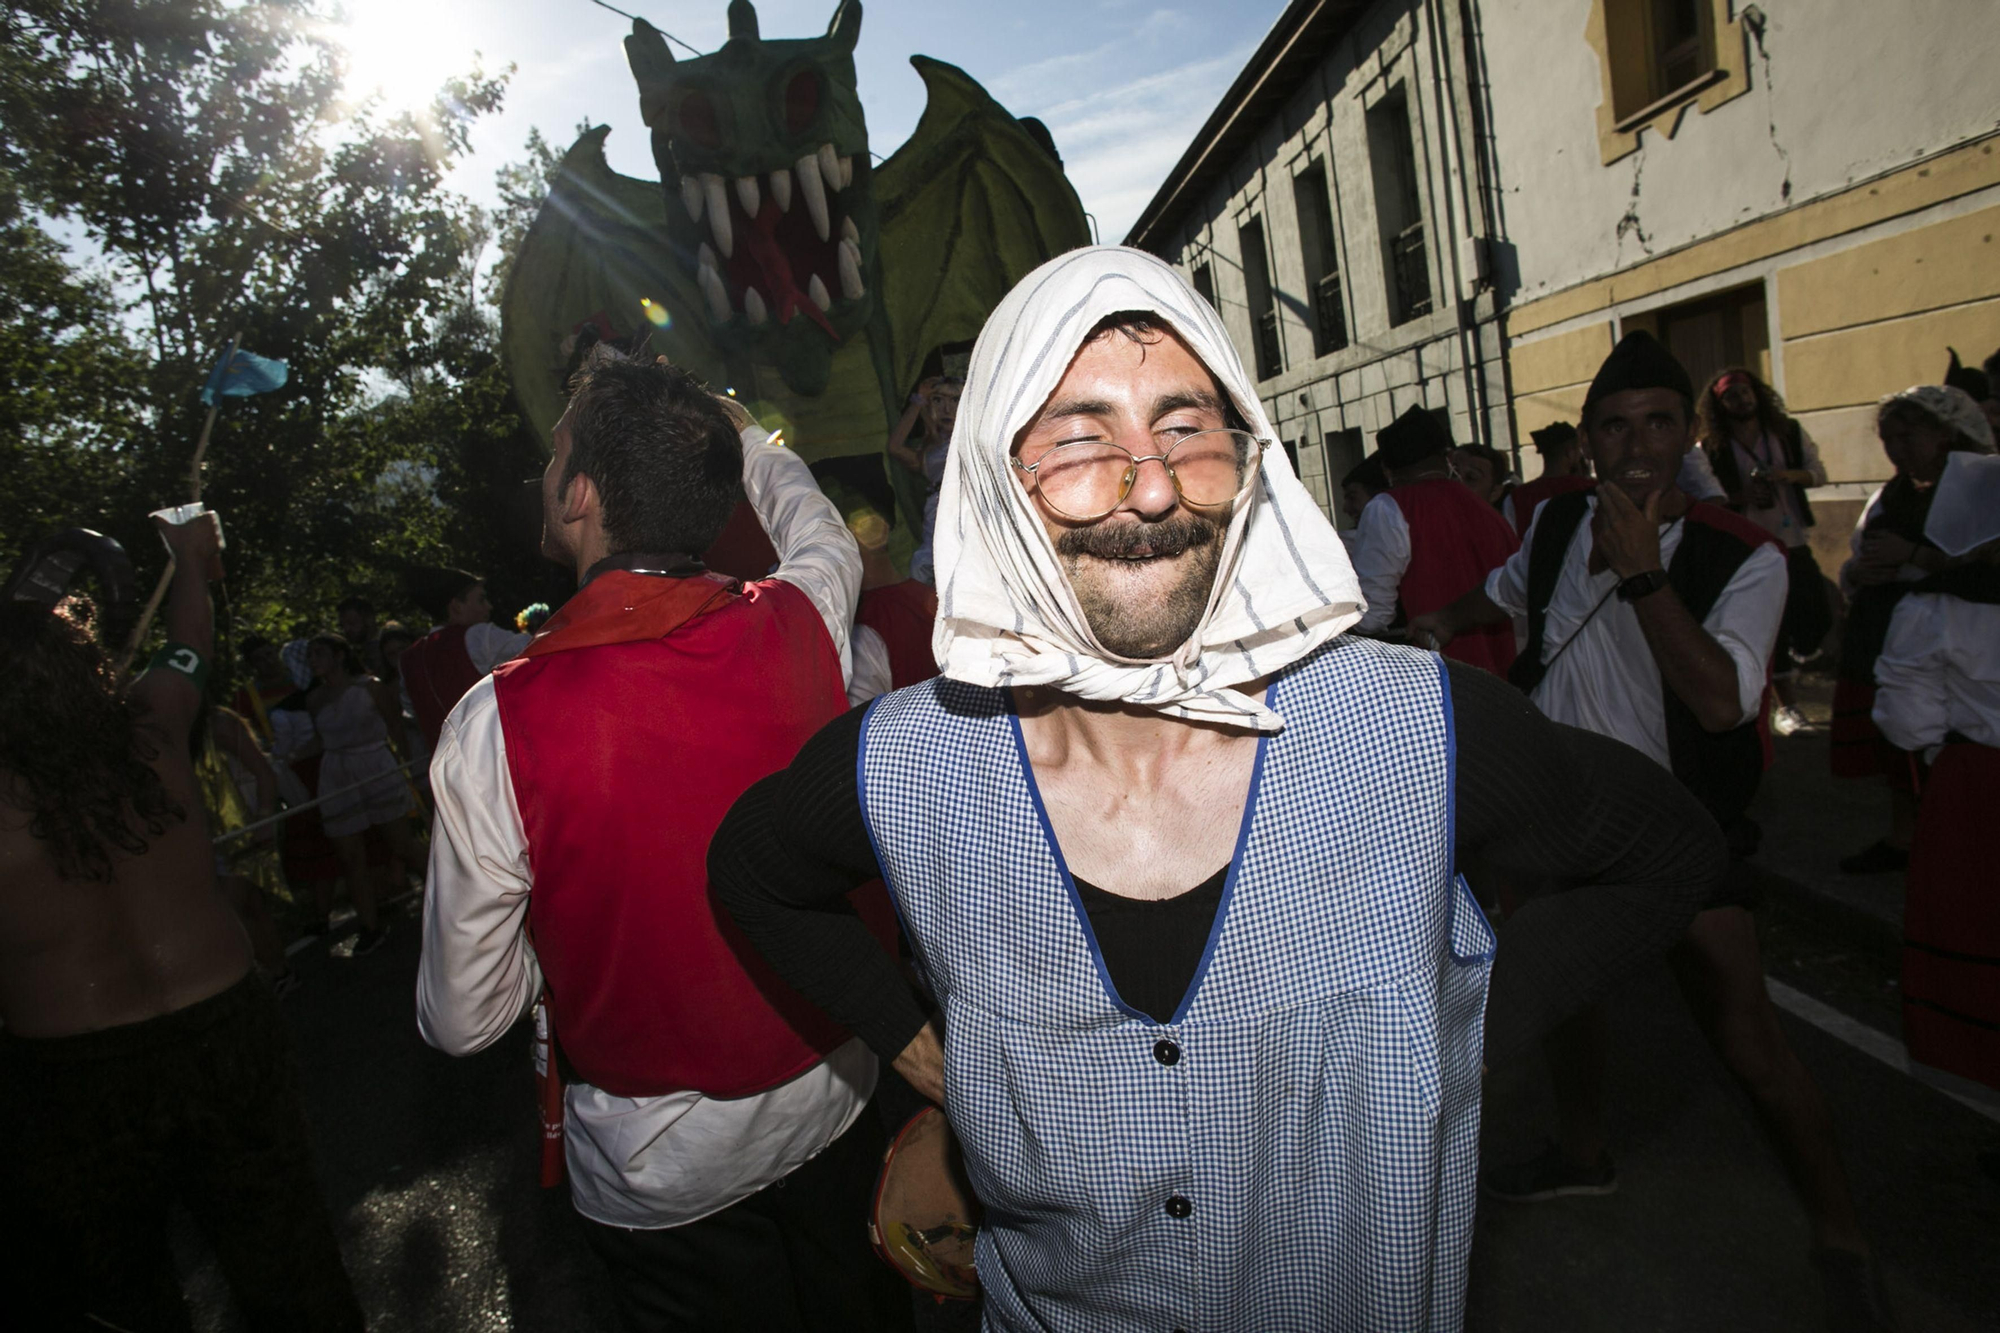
{"type": "Point", "coordinates": [1176, 859]}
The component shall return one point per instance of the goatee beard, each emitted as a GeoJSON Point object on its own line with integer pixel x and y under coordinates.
{"type": "Point", "coordinates": [1151, 627]}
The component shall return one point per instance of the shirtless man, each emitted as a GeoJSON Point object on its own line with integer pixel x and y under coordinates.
{"type": "Point", "coordinates": [143, 1061]}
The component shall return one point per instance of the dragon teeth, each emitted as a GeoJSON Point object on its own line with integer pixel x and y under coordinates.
{"type": "Point", "coordinates": [718, 213]}
{"type": "Point", "coordinates": [691, 197]}
{"type": "Point", "coordinates": [846, 172]}
{"type": "Point", "coordinates": [709, 279]}
{"type": "Point", "coordinates": [849, 231]}
{"type": "Point", "coordinates": [813, 187]}
{"type": "Point", "coordinates": [829, 166]}
{"type": "Point", "coordinates": [748, 195]}
{"type": "Point", "coordinates": [817, 291]}
{"type": "Point", "coordinates": [753, 306]}
{"type": "Point", "coordinates": [850, 271]}
{"type": "Point", "coordinates": [781, 189]}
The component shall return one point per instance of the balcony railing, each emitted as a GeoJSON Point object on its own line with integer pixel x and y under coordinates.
{"type": "Point", "coordinates": [1269, 359]}
{"type": "Point", "coordinates": [1330, 314]}
{"type": "Point", "coordinates": [1409, 259]}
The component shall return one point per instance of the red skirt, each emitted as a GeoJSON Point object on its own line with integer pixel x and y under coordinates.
{"type": "Point", "coordinates": [1859, 749]}
{"type": "Point", "coordinates": [1951, 920]}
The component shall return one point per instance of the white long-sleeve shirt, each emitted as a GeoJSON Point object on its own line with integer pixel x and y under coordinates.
{"type": "Point", "coordinates": [1381, 555]}
{"type": "Point", "coordinates": [641, 1162]}
{"type": "Point", "coordinates": [1608, 681]}
{"type": "Point", "coordinates": [1939, 672]}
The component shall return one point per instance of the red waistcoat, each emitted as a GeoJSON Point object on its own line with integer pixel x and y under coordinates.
{"type": "Point", "coordinates": [633, 722]}
{"type": "Point", "coordinates": [903, 614]}
{"type": "Point", "coordinates": [1531, 493]}
{"type": "Point", "coordinates": [1456, 539]}
{"type": "Point", "coordinates": [437, 671]}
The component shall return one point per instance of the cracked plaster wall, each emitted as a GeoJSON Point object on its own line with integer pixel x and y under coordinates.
{"type": "Point", "coordinates": [1840, 91]}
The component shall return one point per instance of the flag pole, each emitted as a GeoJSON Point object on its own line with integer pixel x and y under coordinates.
{"type": "Point", "coordinates": [194, 496]}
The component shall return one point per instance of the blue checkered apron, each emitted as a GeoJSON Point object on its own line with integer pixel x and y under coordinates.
{"type": "Point", "coordinates": [1295, 1149]}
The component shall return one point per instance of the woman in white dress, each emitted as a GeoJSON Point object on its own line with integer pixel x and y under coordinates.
{"type": "Point", "coordinates": [359, 778]}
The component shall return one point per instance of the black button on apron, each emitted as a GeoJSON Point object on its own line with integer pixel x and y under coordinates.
{"type": "Point", "coordinates": [1167, 1052]}
{"type": "Point", "coordinates": [1178, 1207]}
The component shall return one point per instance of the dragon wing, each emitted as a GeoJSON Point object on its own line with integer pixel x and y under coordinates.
{"type": "Point", "coordinates": [597, 254]}
{"type": "Point", "coordinates": [973, 203]}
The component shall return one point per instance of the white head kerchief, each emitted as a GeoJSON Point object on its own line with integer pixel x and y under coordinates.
{"type": "Point", "coordinates": [1006, 614]}
{"type": "Point", "coordinates": [1951, 406]}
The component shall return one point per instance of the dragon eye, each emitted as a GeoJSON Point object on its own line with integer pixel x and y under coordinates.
{"type": "Point", "coordinates": [801, 102]}
{"type": "Point", "coordinates": [697, 120]}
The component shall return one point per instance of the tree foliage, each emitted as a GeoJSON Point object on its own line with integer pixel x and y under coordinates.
{"type": "Point", "coordinates": [216, 181]}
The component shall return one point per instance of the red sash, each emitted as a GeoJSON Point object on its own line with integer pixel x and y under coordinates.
{"type": "Point", "coordinates": [633, 722]}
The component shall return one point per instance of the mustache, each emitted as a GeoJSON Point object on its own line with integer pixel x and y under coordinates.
{"type": "Point", "coordinates": [1122, 541]}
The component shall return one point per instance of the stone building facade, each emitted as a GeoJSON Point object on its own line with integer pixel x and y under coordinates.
{"type": "Point", "coordinates": [1331, 210]}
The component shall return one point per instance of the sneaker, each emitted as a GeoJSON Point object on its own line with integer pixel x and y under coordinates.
{"type": "Point", "coordinates": [368, 941]}
{"type": "Point", "coordinates": [1786, 720]}
{"type": "Point", "coordinates": [1549, 1176]}
{"type": "Point", "coordinates": [1876, 859]}
{"type": "Point", "coordinates": [1855, 1299]}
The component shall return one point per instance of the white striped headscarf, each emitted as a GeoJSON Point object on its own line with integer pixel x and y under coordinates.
{"type": "Point", "coordinates": [1006, 613]}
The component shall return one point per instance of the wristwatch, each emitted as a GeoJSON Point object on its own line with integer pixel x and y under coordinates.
{"type": "Point", "coordinates": [1642, 585]}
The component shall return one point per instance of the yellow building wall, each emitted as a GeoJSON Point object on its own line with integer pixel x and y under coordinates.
{"type": "Point", "coordinates": [1945, 264]}
{"type": "Point", "coordinates": [1854, 325]}
{"type": "Point", "coordinates": [1859, 364]}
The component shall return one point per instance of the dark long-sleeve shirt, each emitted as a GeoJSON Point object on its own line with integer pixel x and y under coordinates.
{"type": "Point", "coordinates": [1540, 802]}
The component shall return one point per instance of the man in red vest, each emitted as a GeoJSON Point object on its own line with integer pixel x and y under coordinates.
{"type": "Point", "coordinates": [716, 1144]}
{"type": "Point", "coordinates": [1427, 538]}
{"type": "Point", "coordinates": [1565, 467]}
{"type": "Point", "coordinates": [439, 668]}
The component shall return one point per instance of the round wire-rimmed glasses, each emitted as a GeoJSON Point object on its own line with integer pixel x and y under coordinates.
{"type": "Point", "coordinates": [1084, 480]}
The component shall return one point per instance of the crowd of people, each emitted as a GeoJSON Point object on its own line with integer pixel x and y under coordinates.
{"type": "Point", "coordinates": [1195, 857]}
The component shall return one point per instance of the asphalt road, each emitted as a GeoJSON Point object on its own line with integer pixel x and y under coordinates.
{"type": "Point", "coordinates": [429, 1162]}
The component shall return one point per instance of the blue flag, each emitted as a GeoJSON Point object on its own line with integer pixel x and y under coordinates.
{"type": "Point", "coordinates": [243, 375]}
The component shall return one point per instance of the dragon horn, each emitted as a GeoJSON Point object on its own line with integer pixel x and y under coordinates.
{"type": "Point", "coordinates": [845, 30]}
{"type": "Point", "coordinates": [742, 20]}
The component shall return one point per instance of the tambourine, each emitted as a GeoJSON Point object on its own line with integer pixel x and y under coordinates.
{"type": "Point", "coordinates": [925, 1215]}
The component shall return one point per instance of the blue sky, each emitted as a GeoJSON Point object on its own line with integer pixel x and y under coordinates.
{"type": "Point", "coordinates": [1122, 84]}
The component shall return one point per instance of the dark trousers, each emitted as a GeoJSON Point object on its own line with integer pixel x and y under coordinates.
{"type": "Point", "coordinates": [1808, 615]}
{"type": "Point", "coordinates": [101, 1132]}
{"type": "Point", "coordinates": [792, 1258]}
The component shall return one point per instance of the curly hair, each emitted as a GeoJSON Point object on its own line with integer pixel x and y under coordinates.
{"type": "Point", "coordinates": [1714, 431]}
{"type": "Point", "coordinates": [72, 755]}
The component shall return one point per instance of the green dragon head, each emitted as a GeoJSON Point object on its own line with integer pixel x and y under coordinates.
{"type": "Point", "coordinates": [764, 156]}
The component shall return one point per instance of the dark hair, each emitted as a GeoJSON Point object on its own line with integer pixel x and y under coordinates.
{"type": "Point", "coordinates": [1770, 408]}
{"type": "Point", "coordinates": [349, 659]}
{"type": "Point", "coordinates": [663, 454]}
{"type": "Point", "coordinates": [1370, 473]}
{"type": "Point", "coordinates": [1502, 465]}
{"type": "Point", "coordinates": [355, 602]}
{"type": "Point", "coordinates": [396, 629]}
{"type": "Point", "coordinates": [252, 645]}
{"type": "Point", "coordinates": [1147, 327]}
{"type": "Point", "coordinates": [443, 587]}
{"type": "Point", "coordinates": [73, 756]}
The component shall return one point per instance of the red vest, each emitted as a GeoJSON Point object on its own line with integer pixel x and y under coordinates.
{"type": "Point", "coordinates": [1456, 539]}
{"type": "Point", "coordinates": [1529, 494]}
{"type": "Point", "coordinates": [903, 614]}
{"type": "Point", "coordinates": [633, 722]}
{"type": "Point", "coordinates": [437, 671]}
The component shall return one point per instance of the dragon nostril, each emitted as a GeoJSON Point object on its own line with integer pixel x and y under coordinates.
{"type": "Point", "coordinates": [801, 102]}
{"type": "Point", "coordinates": [696, 115]}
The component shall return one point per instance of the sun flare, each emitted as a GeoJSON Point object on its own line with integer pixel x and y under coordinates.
{"type": "Point", "coordinates": [400, 50]}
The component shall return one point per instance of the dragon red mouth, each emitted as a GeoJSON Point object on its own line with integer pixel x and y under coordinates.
{"type": "Point", "coordinates": [778, 245]}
